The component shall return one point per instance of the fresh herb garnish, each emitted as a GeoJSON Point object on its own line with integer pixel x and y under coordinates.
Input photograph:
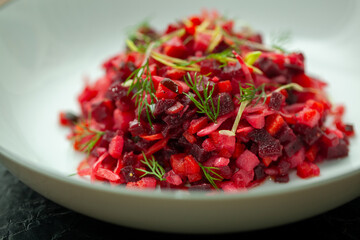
{"type": "Point", "coordinates": [209, 173]}
{"type": "Point", "coordinates": [85, 138]}
{"type": "Point", "coordinates": [141, 81]}
{"type": "Point", "coordinates": [155, 168]}
{"type": "Point", "coordinates": [278, 40]}
{"type": "Point", "coordinates": [252, 93]}
{"type": "Point", "coordinates": [205, 102]}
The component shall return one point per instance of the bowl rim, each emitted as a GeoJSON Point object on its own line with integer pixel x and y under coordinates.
{"type": "Point", "coordinates": [171, 194]}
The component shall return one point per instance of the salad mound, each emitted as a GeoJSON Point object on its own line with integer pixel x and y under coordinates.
{"type": "Point", "coordinates": [202, 106]}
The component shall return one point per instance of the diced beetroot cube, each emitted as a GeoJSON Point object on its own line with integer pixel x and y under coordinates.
{"type": "Point", "coordinates": [283, 167]}
{"type": "Point", "coordinates": [256, 120]}
{"type": "Point", "coordinates": [175, 108]}
{"type": "Point", "coordinates": [122, 119]}
{"type": "Point", "coordinates": [297, 158]}
{"type": "Point", "coordinates": [272, 171]}
{"type": "Point", "coordinates": [198, 152]}
{"type": "Point", "coordinates": [226, 103]}
{"type": "Point", "coordinates": [229, 187]}
{"type": "Point", "coordinates": [307, 169]}
{"type": "Point", "coordinates": [177, 163]}
{"type": "Point", "coordinates": [330, 139]}
{"type": "Point", "coordinates": [276, 100]}
{"type": "Point", "coordinates": [270, 149]}
{"type": "Point", "coordinates": [162, 105]}
{"type": "Point", "coordinates": [242, 178]}
{"type": "Point", "coordinates": [281, 178]}
{"type": "Point", "coordinates": [191, 166]}
{"type": "Point", "coordinates": [102, 111]}
{"type": "Point", "coordinates": [292, 147]}
{"type": "Point", "coordinates": [116, 146]}
{"type": "Point", "coordinates": [208, 145]}
{"type": "Point", "coordinates": [226, 172]}
{"type": "Point", "coordinates": [310, 134]}
{"type": "Point", "coordinates": [197, 124]}
{"type": "Point", "coordinates": [338, 151]}
{"type": "Point", "coordinates": [194, 177]}
{"type": "Point", "coordinates": [221, 162]}
{"type": "Point", "coordinates": [247, 161]}
{"type": "Point", "coordinates": [268, 146]}
{"type": "Point", "coordinates": [173, 178]}
{"type": "Point", "coordinates": [286, 134]}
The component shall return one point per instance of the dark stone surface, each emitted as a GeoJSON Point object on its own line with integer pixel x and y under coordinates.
{"type": "Point", "coordinates": [24, 214]}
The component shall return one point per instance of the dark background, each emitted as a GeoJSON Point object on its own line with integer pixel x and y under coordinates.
{"type": "Point", "coordinates": [24, 214]}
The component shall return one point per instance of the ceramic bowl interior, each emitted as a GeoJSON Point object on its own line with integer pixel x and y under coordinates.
{"type": "Point", "coordinates": [49, 48]}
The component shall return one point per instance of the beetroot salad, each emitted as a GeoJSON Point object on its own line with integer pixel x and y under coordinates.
{"type": "Point", "coordinates": [202, 106]}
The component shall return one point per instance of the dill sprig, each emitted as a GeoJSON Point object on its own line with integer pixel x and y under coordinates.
{"type": "Point", "coordinates": [141, 81]}
{"type": "Point", "coordinates": [252, 93]}
{"type": "Point", "coordinates": [209, 173]}
{"type": "Point", "coordinates": [155, 168]}
{"type": "Point", "coordinates": [278, 40]}
{"type": "Point", "coordinates": [247, 96]}
{"type": "Point", "coordinates": [205, 102]}
{"type": "Point", "coordinates": [85, 137]}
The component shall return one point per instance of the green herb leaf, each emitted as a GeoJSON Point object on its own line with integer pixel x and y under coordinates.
{"type": "Point", "coordinates": [204, 101]}
{"type": "Point", "coordinates": [279, 40]}
{"type": "Point", "coordinates": [144, 87]}
{"type": "Point", "coordinates": [250, 93]}
{"type": "Point", "coordinates": [209, 173]}
{"type": "Point", "coordinates": [155, 168]}
{"type": "Point", "coordinates": [85, 137]}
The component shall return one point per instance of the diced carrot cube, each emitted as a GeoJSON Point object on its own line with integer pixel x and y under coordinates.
{"type": "Point", "coordinates": [224, 86]}
{"type": "Point", "coordinates": [116, 146]}
{"type": "Point", "coordinates": [191, 165]}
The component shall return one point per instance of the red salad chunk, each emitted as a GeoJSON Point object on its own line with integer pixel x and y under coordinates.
{"type": "Point", "coordinates": [203, 106]}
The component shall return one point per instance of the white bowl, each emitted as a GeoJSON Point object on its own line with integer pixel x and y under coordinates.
{"type": "Point", "coordinates": [47, 47]}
